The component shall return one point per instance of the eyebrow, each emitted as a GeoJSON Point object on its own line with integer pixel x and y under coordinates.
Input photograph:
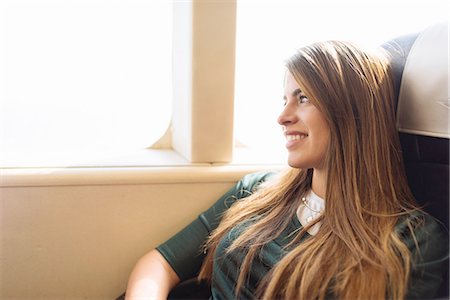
{"type": "Point", "coordinates": [295, 93]}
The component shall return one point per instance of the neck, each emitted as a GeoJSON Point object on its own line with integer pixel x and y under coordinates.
{"type": "Point", "coordinates": [319, 182]}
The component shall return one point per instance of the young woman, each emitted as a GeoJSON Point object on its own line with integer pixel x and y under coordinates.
{"type": "Point", "coordinates": [340, 223]}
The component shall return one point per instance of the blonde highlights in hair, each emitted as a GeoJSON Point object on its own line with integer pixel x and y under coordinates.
{"type": "Point", "coordinates": [356, 254]}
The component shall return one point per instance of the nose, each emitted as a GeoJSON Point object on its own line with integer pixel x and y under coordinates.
{"type": "Point", "coordinates": [288, 115]}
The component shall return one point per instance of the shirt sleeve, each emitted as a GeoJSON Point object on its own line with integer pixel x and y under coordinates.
{"type": "Point", "coordinates": [429, 253]}
{"type": "Point", "coordinates": [184, 250]}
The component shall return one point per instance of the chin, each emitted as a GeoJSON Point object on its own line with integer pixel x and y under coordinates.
{"type": "Point", "coordinates": [296, 166]}
{"type": "Point", "coordinates": [303, 162]}
{"type": "Point", "coordinates": [296, 163]}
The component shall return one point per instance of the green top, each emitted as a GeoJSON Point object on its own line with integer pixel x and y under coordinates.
{"type": "Point", "coordinates": [184, 250]}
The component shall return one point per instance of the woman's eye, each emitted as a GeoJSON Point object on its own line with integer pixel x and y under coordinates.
{"type": "Point", "coordinates": [302, 99]}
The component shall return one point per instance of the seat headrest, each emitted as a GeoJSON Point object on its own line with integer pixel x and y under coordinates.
{"type": "Point", "coordinates": [423, 103]}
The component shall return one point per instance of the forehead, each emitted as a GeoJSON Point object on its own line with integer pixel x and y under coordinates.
{"type": "Point", "coordinates": [290, 84]}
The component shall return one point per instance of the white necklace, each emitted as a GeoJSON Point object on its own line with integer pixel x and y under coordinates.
{"type": "Point", "coordinates": [306, 201]}
{"type": "Point", "coordinates": [311, 208]}
{"type": "Point", "coordinates": [313, 214]}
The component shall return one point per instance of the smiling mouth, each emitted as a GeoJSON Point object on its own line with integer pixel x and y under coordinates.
{"type": "Point", "coordinates": [295, 137]}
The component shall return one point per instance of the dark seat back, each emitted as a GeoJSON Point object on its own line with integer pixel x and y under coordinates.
{"type": "Point", "coordinates": [420, 68]}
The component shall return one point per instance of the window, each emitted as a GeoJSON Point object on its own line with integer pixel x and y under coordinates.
{"type": "Point", "coordinates": [80, 77]}
{"type": "Point", "coordinates": [268, 32]}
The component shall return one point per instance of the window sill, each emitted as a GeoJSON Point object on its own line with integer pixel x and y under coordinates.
{"type": "Point", "coordinates": [90, 159]}
{"type": "Point", "coordinates": [144, 167]}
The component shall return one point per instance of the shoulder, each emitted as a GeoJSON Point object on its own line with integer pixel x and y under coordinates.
{"type": "Point", "coordinates": [426, 237]}
{"type": "Point", "coordinates": [427, 240]}
{"type": "Point", "coordinates": [253, 181]}
{"type": "Point", "coordinates": [245, 187]}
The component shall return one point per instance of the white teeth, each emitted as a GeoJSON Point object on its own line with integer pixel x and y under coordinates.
{"type": "Point", "coordinates": [295, 137]}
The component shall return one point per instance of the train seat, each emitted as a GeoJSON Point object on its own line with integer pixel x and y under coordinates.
{"type": "Point", "coordinates": [420, 63]}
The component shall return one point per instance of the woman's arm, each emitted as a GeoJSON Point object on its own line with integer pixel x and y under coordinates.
{"type": "Point", "coordinates": [151, 278]}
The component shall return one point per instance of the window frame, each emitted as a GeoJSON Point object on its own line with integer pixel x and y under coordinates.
{"type": "Point", "coordinates": [198, 145]}
{"type": "Point", "coordinates": [204, 41]}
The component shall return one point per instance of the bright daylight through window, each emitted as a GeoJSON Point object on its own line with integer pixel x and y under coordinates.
{"type": "Point", "coordinates": [82, 79]}
{"type": "Point", "coordinates": [268, 32]}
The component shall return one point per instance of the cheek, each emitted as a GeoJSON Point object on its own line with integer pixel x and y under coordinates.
{"type": "Point", "coordinates": [325, 135]}
{"type": "Point", "coordinates": [321, 134]}
{"type": "Point", "coordinates": [324, 145]}
{"type": "Point", "coordinates": [320, 147]}
{"type": "Point", "coordinates": [319, 126]}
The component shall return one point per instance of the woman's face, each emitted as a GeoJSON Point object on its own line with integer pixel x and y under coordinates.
{"type": "Point", "coordinates": [305, 128]}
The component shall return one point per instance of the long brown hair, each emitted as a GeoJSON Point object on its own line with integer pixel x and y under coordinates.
{"type": "Point", "coordinates": [356, 254]}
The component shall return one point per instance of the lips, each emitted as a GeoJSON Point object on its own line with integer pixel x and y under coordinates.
{"type": "Point", "coordinates": [293, 137]}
